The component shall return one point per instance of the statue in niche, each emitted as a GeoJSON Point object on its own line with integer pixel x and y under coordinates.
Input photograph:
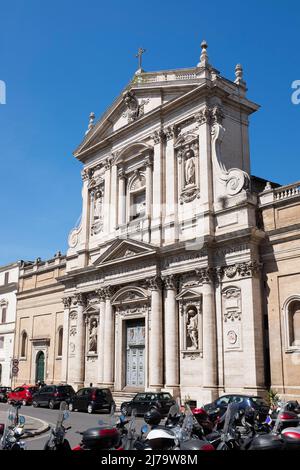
{"type": "Point", "coordinates": [192, 328]}
{"type": "Point", "coordinates": [93, 337]}
{"type": "Point", "coordinates": [97, 214]}
{"type": "Point", "coordinates": [189, 167]}
{"type": "Point", "coordinates": [98, 206]}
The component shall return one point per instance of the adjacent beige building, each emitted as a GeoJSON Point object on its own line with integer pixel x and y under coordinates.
{"type": "Point", "coordinates": [280, 254]}
{"type": "Point", "coordinates": [39, 323]}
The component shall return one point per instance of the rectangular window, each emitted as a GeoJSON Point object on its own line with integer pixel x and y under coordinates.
{"type": "Point", "coordinates": [3, 317]}
{"type": "Point", "coordinates": [6, 278]}
{"type": "Point", "coordinates": [1, 342]}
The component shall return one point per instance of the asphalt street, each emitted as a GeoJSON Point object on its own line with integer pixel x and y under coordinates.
{"type": "Point", "coordinates": [77, 420]}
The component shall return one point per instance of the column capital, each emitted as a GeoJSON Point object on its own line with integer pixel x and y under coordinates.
{"type": "Point", "coordinates": [154, 283]}
{"type": "Point", "coordinates": [109, 292]}
{"type": "Point", "coordinates": [121, 173]}
{"type": "Point", "coordinates": [149, 160]}
{"type": "Point", "coordinates": [172, 131]}
{"type": "Point", "coordinates": [79, 299]}
{"type": "Point", "coordinates": [159, 136]}
{"type": "Point", "coordinates": [100, 293]}
{"type": "Point", "coordinates": [207, 115]}
{"type": "Point", "coordinates": [206, 275]}
{"type": "Point", "coordinates": [67, 301]}
{"type": "Point", "coordinates": [170, 281]}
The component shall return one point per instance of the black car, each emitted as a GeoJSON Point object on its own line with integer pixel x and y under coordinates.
{"type": "Point", "coordinates": [219, 406]}
{"type": "Point", "coordinates": [3, 393]}
{"type": "Point", "coordinates": [92, 399]}
{"type": "Point", "coordinates": [52, 395]}
{"type": "Point", "coordinates": [143, 402]}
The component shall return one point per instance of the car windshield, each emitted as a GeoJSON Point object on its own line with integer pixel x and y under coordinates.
{"type": "Point", "coordinates": [64, 389]}
{"type": "Point", "coordinates": [259, 401]}
{"type": "Point", "coordinates": [165, 396]}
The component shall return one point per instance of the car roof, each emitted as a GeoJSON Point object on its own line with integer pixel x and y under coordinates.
{"type": "Point", "coordinates": [239, 395]}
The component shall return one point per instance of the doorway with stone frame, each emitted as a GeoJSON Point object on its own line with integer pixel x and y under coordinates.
{"type": "Point", "coordinates": [135, 353]}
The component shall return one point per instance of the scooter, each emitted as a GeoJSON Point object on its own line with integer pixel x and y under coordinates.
{"type": "Point", "coordinates": [13, 430]}
{"type": "Point", "coordinates": [104, 437]}
{"type": "Point", "coordinates": [57, 440]}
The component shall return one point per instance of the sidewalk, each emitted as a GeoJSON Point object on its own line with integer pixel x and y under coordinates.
{"type": "Point", "coordinates": [33, 426]}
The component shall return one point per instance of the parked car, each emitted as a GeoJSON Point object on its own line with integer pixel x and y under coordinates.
{"type": "Point", "coordinates": [219, 406]}
{"type": "Point", "coordinates": [143, 402]}
{"type": "Point", "coordinates": [92, 399]}
{"type": "Point", "coordinates": [23, 394]}
{"type": "Point", "coordinates": [52, 395]}
{"type": "Point", "coordinates": [4, 391]}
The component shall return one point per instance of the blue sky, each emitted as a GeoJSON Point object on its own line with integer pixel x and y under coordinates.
{"type": "Point", "coordinates": [61, 60]}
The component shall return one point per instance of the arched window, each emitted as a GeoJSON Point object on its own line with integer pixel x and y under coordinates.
{"type": "Point", "coordinates": [24, 344]}
{"type": "Point", "coordinates": [60, 341]}
{"type": "Point", "coordinates": [137, 196]}
{"type": "Point", "coordinates": [292, 319]}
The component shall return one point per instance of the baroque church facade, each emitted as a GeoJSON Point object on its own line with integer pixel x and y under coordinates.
{"type": "Point", "coordinates": [164, 287]}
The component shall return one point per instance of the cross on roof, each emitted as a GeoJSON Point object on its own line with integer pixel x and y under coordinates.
{"type": "Point", "coordinates": [139, 56]}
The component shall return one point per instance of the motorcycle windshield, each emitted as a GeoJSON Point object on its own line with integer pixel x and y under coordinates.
{"type": "Point", "coordinates": [128, 441]}
{"type": "Point", "coordinates": [230, 414]}
{"type": "Point", "coordinates": [174, 411]}
{"type": "Point", "coordinates": [62, 415]}
{"type": "Point", "coordinates": [283, 407]}
{"type": "Point", "coordinates": [10, 423]}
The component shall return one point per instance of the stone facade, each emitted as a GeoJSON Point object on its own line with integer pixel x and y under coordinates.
{"type": "Point", "coordinates": [163, 272]}
{"type": "Point", "coordinates": [38, 344]}
{"type": "Point", "coordinates": [183, 273]}
{"type": "Point", "coordinates": [9, 276]}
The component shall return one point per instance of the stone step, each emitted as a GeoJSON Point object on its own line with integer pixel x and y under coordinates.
{"type": "Point", "coordinates": [120, 397]}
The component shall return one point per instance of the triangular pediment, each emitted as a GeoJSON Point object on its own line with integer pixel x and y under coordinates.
{"type": "Point", "coordinates": [188, 294]}
{"type": "Point", "coordinates": [121, 114]}
{"type": "Point", "coordinates": [124, 250]}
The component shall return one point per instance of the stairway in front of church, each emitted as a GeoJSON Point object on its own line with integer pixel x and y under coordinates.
{"type": "Point", "coordinates": [122, 396]}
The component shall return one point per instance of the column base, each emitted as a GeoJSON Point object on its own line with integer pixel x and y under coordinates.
{"type": "Point", "coordinates": [108, 385]}
{"type": "Point", "coordinates": [174, 390]}
{"type": "Point", "coordinates": [209, 394]}
{"type": "Point", "coordinates": [154, 388]}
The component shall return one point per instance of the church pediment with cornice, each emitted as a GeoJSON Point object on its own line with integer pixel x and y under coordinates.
{"type": "Point", "coordinates": [135, 103]}
{"type": "Point", "coordinates": [124, 250]}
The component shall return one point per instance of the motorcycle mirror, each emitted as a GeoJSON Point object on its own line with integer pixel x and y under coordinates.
{"type": "Point", "coordinates": [144, 429]}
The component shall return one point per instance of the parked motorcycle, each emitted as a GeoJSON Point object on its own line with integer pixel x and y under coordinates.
{"type": "Point", "coordinates": [13, 429]}
{"type": "Point", "coordinates": [176, 434]}
{"type": "Point", "coordinates": [104, 437]}
{"type": "Point", "coordinates": [57, 440]}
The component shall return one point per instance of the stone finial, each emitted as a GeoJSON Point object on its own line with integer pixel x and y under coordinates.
{"type": "Point", "coordinates": [239, 75]}
{"type": "Point", "coordinates": [91, 123]}
{"type": "Point", "coordinates": [203, 57]}
{"type": "Point", "coordinates": [268, 186]}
